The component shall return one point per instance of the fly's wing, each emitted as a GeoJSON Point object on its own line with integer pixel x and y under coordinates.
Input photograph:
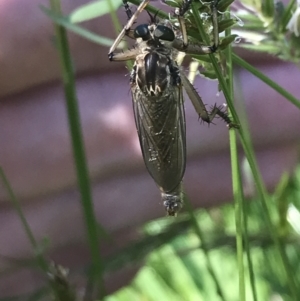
{"type": "Point", "coordinates": [160, 123]}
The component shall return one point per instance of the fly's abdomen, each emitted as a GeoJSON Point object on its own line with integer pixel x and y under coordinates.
{"type": "Point", "coordinates": [161, 127]}
{"type": "Point", "coordinates": [160, 121]}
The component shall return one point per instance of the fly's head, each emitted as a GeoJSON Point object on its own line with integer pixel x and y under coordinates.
{"type": "Point", "coordinates": [154, 35]}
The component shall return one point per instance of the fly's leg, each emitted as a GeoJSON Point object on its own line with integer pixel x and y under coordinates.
{"type": "Point", "coordinates": [127, 9]}
{"type": "Point", "coordinates": [214, 12]}
{"type": "Point", "coordinates": [182, 44]}
{"type": "Point", "coordinates": [200, 107]}
{"type": "Point", "coordinates": [127, 27]}
{"type": "Point", "coordinates": [124, 56]}
{"type": "Point", "coordinates": [180, 16]}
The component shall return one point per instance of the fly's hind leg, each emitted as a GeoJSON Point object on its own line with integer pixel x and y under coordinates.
{"type": "Point", "coordinates": [200, 107]}
{"type": "Point", "coordinates": [183, 45]}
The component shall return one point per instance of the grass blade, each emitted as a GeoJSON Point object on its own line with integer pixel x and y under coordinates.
{"type": "Point", "coordinates": [239, 61]}
{"type": "Point", "coordinates": [65, 22]}
{"type": "Point", "coordinates": [78, 150]}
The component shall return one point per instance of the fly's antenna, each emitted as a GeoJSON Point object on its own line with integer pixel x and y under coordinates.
{"type": "Point", "coordinates": [153, 18]}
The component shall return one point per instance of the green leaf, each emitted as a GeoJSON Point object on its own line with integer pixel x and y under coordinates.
{"type": "Point", "coordinates": [172, 3]}
{"type": "Point", "coordinates": [287, 14]}
{"type": "Point", "coordinates": [227, 40]}
{"type": "Point", "coordinates": [223, 5]}
{"type": "Point", "coordinates": [209, 74]}
{"type": "Point", "coordinates": [65, 22]}
{"type": "Point", "coordinates": [202, 57]}
{"type": "Point", "coordinates": [267, 7]}
{"type": "Point", "coordinates": [92, 10]}
{"type": "Point", "coordinates": [272, 49]}
{"type": "Point", "coordinates": [226, 23]}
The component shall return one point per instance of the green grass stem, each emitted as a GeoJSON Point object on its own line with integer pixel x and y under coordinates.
{"type": "Point", "coordinates": [78, 151]}
{"type": "Point", "coordinates": [239, 61]}
{"type": "Point", "coordinates": [248, 149]}
{"type": "Point", "coordinates": [40, 259]}
{"type": "Point", "coordinates": [237, 189]}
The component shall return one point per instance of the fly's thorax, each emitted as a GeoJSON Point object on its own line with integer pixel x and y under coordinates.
{"type": "Point", "coordinates": [153, 74]}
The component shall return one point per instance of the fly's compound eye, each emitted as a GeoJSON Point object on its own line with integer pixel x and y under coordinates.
{"type": "Point", "coordinates": [164, 33]}
{"type": "Point", "coordinates": [142, 31]}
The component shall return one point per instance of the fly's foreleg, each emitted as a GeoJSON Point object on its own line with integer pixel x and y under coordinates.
{"type": "Point", "coordinates": [126, 28]}
{"type": "Point", "coordinates": [200, 107]}
{"type": "Point", "coordinates": [182, 44]}
{"type": "Point", "coordinates": [124, 56]}
{"type": "Point", "coordinates": [127, 9]}
{"type": "Point", "coordinates": [180, 16]}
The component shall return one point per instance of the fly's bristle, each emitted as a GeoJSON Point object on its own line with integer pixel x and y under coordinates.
{"type": "Point", "coordinates": [223, 114]}
{"type": "Point", "coordinates": [219, 110]}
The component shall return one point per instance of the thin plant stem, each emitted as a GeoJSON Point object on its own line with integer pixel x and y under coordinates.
{"type": "Point", "coordinates": [245, 214]}
{"type": "Point", "coordinates": [239, 61]}
{"type": "Point", "coordinates": [239, 217]}
{"type": "Point", "coordinates": [236, 181]}
{"type": "Point", "coordinates": [117, 27]}
{"type": "Point", "coordinates": [114, 17]}
{"type": "Point", "coordinates": [287, 15]}
{"type": "Point", "coordinates": [248, 252]}
{"type": "Point", "coordinates": [57, 290]}
{"type": "Point", "coordinates": [262, 192]}
{"type": "Point", "coordinates": [78, 151]}
{"type": "Point", "coordinates": [63, 21]}
{"type": "Point", "coordinates": [41, 260]}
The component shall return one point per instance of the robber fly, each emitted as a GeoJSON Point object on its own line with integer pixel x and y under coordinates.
{"type": "Point", "coordinates": [156, 86]}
